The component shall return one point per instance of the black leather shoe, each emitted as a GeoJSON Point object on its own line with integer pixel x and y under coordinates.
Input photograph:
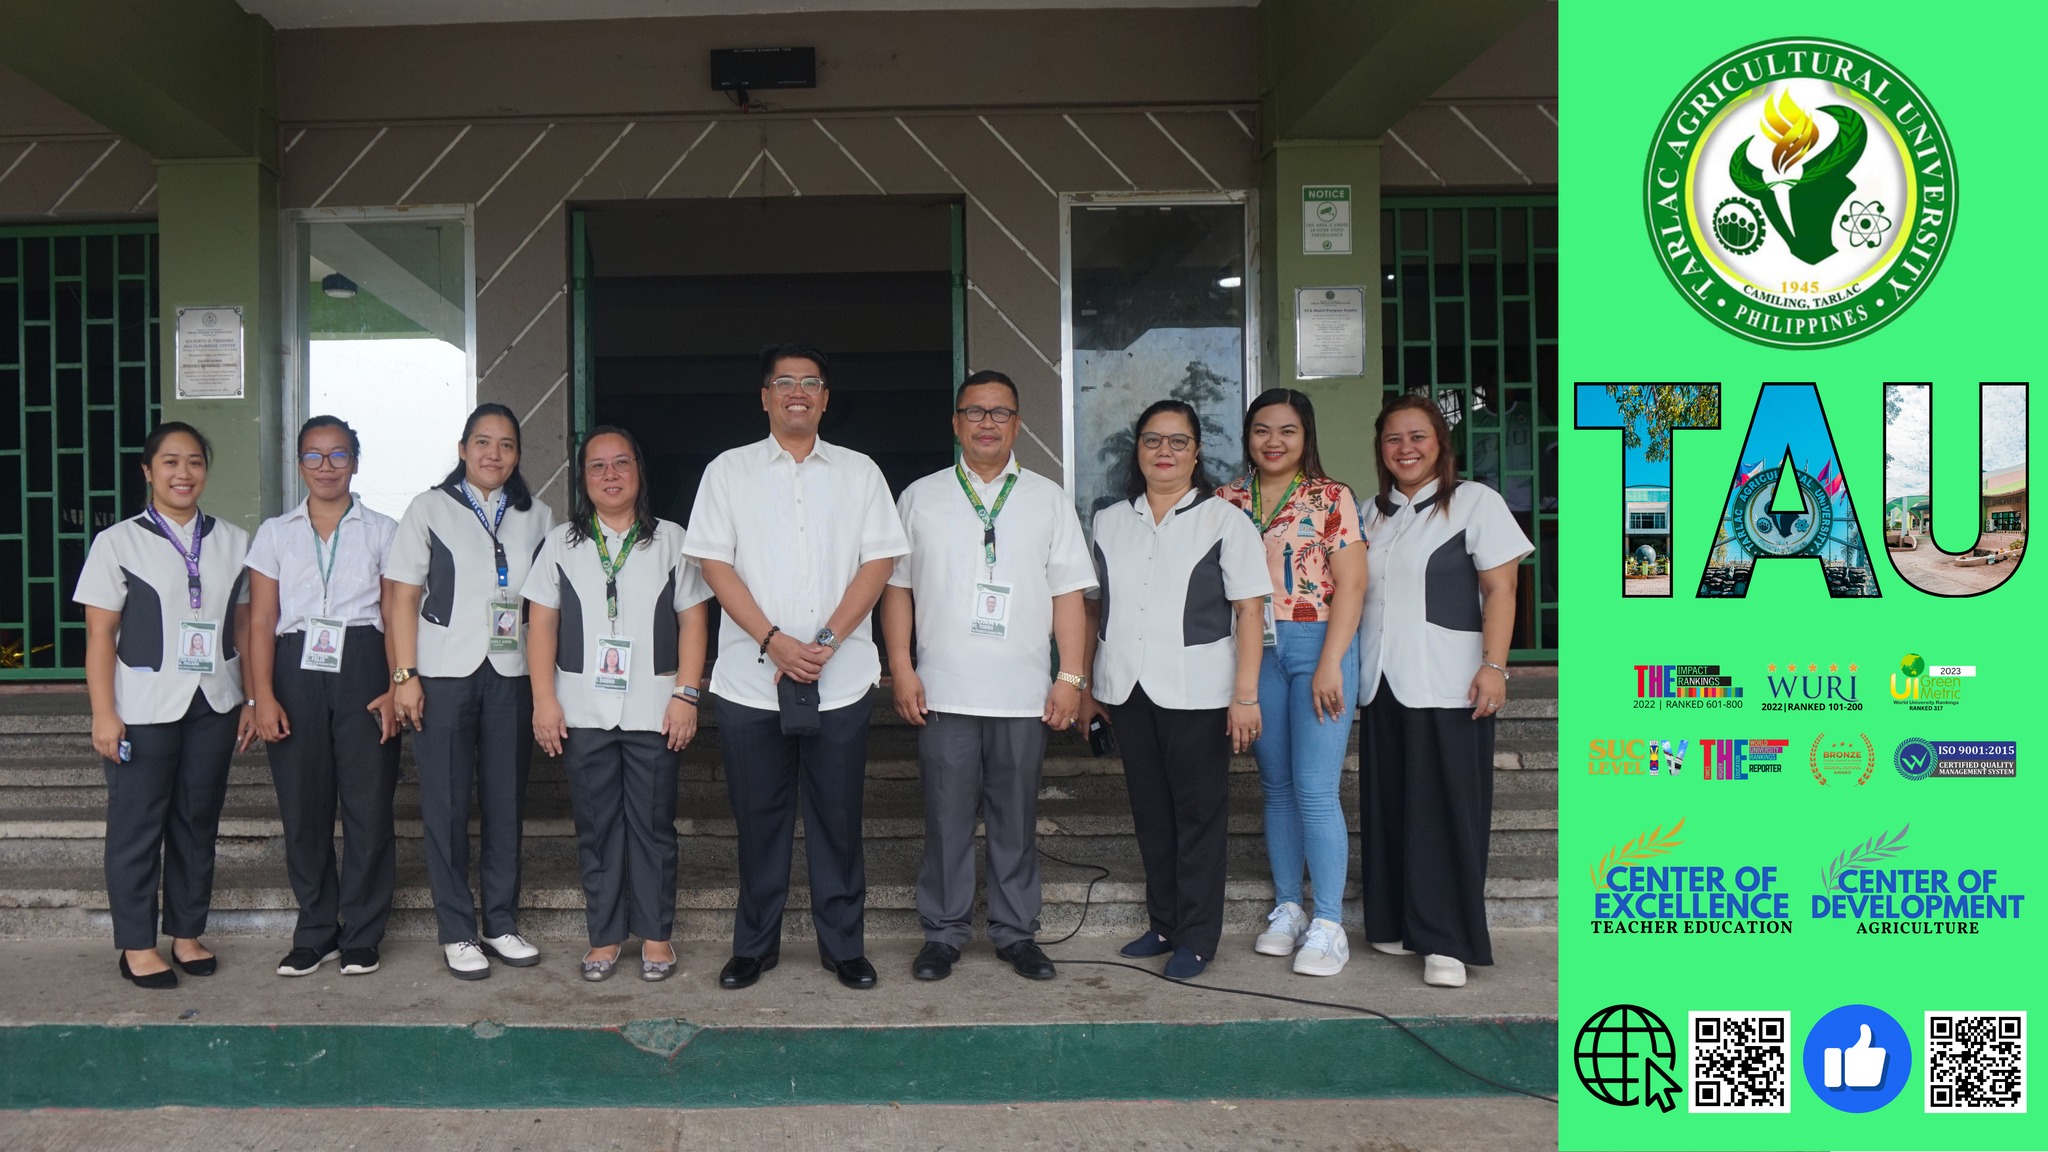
{"type": "Point", "coordinates": [163, 979]}
{"type": "Point", "coordinates": [854, 973]}
{"type": "Point", "coordinates": [934, 961]}
{"type": "Point", "coordinates": [742, 971]}
{"type": "Point", "coordinates": [1028, 959]}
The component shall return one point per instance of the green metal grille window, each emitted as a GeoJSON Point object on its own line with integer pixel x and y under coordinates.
{"type": "Point", "coordinates": [78, 395]}
{"type": "Point", "coordinates": [1469, 312]}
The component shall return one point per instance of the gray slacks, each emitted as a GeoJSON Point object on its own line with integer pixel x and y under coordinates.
{"type": "Point", "coordinates": [763, 769]}
{"type": "Point", "coordinates": [622, 786]}
{"type": "Point", "coordinates": [163, 812]}
{"type": "Point", "coordinates": [990, 763]}
{"type": "Point", "coordinates": [478, 730]}
{"type": "Point", "coordinates": [332, 759]}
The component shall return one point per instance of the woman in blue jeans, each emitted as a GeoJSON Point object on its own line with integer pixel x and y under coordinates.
{"type": "Point", "coordinates": [1309, 674]}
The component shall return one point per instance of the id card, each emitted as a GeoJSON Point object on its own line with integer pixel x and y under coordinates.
{"type": "Point", "coordinates": [1268, 635]}
{"type": "Point", "coordinates": [199, 646]}
{"type": "Point", "coordinates": [614, 664]}
{"type": "Point", "coordinates": [325, 638]}
{"type": "Point", "coordinates": [504, 625]}
{"type": "Point", "coordinates": [991, 615]}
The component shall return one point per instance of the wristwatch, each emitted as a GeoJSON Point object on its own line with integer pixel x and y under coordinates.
{"type": "Point", "coordinates": [404, 674]}
{"type": "Point", "coordinates": [688, 694]}
{"type": "Point", "coordinates": [1076, 679]}
{"type": "Point", "coordinates": [826, 638]}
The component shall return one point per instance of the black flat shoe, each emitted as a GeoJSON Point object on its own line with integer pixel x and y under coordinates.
{"type": "Point", "coordinates": [742, 971]}
{"type": "Point", "coordinates": [203, 967]}
{"type": "Point", "coordinates": [1028, 959]}
{"type": "Point", "coordinates": [163, 979]}
{"type": "Point", "coordinates": [934, 961]}
{"type": "Point", "coordinates": [1150, 944]}
{"type": "Point", "coordinates": [854, 973]}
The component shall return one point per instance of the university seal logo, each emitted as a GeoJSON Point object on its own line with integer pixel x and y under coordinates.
{"type": "Point", "coordinates": [1800, 193]}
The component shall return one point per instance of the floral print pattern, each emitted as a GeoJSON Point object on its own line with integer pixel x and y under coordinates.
{"type": "Point", "coordinates": [1319, 518]}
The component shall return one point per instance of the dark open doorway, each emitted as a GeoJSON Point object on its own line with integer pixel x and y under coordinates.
{"type": "Point", "coordinates": [675, 299]}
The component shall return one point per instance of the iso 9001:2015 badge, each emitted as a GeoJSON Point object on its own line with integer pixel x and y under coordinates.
{"type": "Point", "coordinates": [1800, 193]}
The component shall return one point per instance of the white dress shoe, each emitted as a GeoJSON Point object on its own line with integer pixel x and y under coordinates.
{"type": "Point", "coordinates": [465, 960]}
{"type": "Point", "coordinates": [513, 949]}
{"type": "Point", "coordinates": [1443, 971]}
{"type": "Point", "coordinates": [1285, 925]}
{"type": "Point", "coordinates": [1391, 948]}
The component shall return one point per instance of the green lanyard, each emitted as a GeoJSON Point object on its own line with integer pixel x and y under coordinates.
{"type": "Point", "coordinates": [326, 566]}
{"type": "Point", "coordinates": [1258, 513]}
{"type": "Point", "coordinates": [986, 515]}
{"type": "Point", "coordinates": [611, 570]}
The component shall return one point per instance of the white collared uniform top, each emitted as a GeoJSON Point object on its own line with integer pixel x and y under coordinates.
{"type": "Point", "coordinates": [1166, 592]}
{"type": "Point", "coordinates": [1421, 626]}
{"type": "Point", "coordinates": [132, 569]}
{"type": "Point", "coordinates": [657, 582]}
{"type": "Point", "coordinates": [444, 548]}
{"type": "Point", "coordinates": [285, 551]}
{"type": "Point", "coordinates": [796, 534]}
{"type": "Point", "coordinates": [1040, 553]}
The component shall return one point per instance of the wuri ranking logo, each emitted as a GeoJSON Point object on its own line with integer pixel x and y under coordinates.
{"type": "Point", "coordinates": [1800, 192]}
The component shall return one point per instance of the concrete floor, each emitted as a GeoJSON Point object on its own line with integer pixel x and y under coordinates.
{"type": "Point", "coordinates": [1497, 1124]}
{"type": "Point", "coordinates": [74, 982]}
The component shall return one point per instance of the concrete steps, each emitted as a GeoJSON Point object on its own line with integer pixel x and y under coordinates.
{"type": "Point", "coordinates": [52, 807]}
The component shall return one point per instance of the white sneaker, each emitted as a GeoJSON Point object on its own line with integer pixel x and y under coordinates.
{"type": "Point", "coordinates": [1285, 925]}
{"type": "Point", "coordinates": [1443, 971]}
{"type": "Point", "coordinates": [1391, 948]}
{"type": "Point", "coordinates": [513, 949]}
{"type": "Point", "coordinates": [466, 961]}
{"type": "Point", "coordinates": [1325, 951]}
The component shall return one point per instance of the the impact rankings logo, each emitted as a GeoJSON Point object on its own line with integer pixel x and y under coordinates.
{"type": "Point", "coordinates": [1796, 948]}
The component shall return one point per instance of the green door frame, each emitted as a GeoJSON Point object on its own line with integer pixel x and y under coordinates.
{"type": "Point", "coordinates": [583, 356]}
{"type": "Point", "coordinates": [73, 435]}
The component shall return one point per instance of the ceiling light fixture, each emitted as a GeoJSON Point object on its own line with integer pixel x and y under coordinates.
{"type": "Point", "coordinates": [338, 286]}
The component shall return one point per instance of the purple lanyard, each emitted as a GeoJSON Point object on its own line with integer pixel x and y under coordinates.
{"type": "Point", "coordinates": [191, 557]}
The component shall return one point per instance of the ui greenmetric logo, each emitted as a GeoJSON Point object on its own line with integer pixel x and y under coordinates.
{"type": "Point", "coordinates": [1800, 193]}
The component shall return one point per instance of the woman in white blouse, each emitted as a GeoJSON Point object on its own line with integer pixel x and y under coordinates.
{"type": "Point", "coordinates": [617, 654]}
{"type": "Point", "coordinates": [1433, 649]}
{"type": "Point", "coordinates": [1177, 617]}
{"type": "Point", "coordinates": [323, 702]}
{"type": "Point", "coordinates": [458, 563]}
{"type": "Point", "coordinates": [163, 667]}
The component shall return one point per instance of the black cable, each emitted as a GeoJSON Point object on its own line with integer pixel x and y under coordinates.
{"type": "Point", "coordinates": [1086, 898]}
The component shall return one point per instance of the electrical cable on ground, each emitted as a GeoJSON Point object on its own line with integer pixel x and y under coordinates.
{"type": "Point", "coordinates": [1103, 874]}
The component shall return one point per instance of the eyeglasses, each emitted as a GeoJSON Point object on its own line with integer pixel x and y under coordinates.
{"type": "Point", "coordinates": [788, 384]}
{"type": "Point", "coordinates": [337, 459]}
{"type": "Point", "coordinates": [1179, 441]}
{"type": "Point", "coordinates": [977, 414]}
{"type": "Point", "coordinates": [600, 467]}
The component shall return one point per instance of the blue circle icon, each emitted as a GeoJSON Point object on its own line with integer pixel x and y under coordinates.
{"type": "Point", "coordinates": [1857, 1059]}
{"type": "Point", "coordinates": [1915, 758]}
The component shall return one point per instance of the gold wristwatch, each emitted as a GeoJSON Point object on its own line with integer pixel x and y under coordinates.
{"type": "Point", "coordinates": [404, 674]}
{"type": "Point", "coordinates": [1077, 680]}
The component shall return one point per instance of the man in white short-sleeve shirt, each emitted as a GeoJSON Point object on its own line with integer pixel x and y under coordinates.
{"type": "Point", "coordinates": [796, 538]}
{"type": "Point", "coordinates": [996, 570]}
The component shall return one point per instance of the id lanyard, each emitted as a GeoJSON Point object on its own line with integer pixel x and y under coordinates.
{"type": "Point", "coordinates": [987, 516]}
{"type": "Point", "coordinates": [191, 556]}
{"type": "Point", "coordinates": [1258, 512]}
{"type": "Point", "coordinates": [611, 570]}
{"type": "Point", "coordinates": [325, 567]}
{"type": "Point", "coordinates": [491, 526]}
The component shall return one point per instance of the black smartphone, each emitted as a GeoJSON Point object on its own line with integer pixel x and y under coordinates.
{"type": "Point", "coordinates": [1101, 740]}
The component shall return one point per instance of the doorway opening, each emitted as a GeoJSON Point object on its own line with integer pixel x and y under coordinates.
{"type": "Point", "coordinates": [674, 301]}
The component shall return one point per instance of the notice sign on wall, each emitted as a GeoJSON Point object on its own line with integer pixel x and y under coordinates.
{"type": "Point", "coordinates": [1329, 332]}
{"type": "Point", "coordinates": [210, 353]}
{"type": "Point", "coordinates": [1325, 219]}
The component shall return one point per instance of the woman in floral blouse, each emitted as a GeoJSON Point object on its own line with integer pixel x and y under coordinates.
{"type": "Point", "coordinates": [1308, 677]}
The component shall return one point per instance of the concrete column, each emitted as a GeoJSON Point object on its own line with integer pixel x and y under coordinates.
{"type": "Point", "coordinates": [217, 226]}
{"type": "Point", "coordinates": [1345, 406]}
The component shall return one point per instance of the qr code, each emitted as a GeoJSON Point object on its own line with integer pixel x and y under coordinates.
{"type": "Point", "coordinates": [1976, 1062]}
{"type": "Point", "coordinates": [1739, 1062]}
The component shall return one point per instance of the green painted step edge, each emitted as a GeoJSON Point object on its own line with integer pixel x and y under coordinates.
{"type": "Point", "coordinates": [675, 1064]}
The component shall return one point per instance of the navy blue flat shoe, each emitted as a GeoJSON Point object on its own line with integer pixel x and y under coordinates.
{"type": "Point", "coordinates": [1185, 965]}
{"type": "Point", "coordinates": [1150, 944]}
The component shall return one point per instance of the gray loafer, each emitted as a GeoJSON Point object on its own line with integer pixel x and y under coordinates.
{"type": "Point", "coordinates": [653, 971]}
{"type": "Point", "coordinates": [596, 970]}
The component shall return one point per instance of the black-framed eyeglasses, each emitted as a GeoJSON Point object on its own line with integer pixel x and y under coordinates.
{"type": "Point", "coordinates": [977, 414]}
{"type": "Point", "coordinates": [788, 384]}
{"type": "Point", "coordinates": [337, 459]}
{"type": "Point", "coordinates": [1179, 441]}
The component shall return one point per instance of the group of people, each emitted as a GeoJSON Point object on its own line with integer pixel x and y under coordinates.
{"type": "Point", "coordinates": [1201, 622]}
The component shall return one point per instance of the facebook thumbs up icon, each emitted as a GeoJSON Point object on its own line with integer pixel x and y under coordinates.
{"type": "Point", "coordinates": [1859, 1067]}
{"type": "Point", "coordinates": [1857, 1058]}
